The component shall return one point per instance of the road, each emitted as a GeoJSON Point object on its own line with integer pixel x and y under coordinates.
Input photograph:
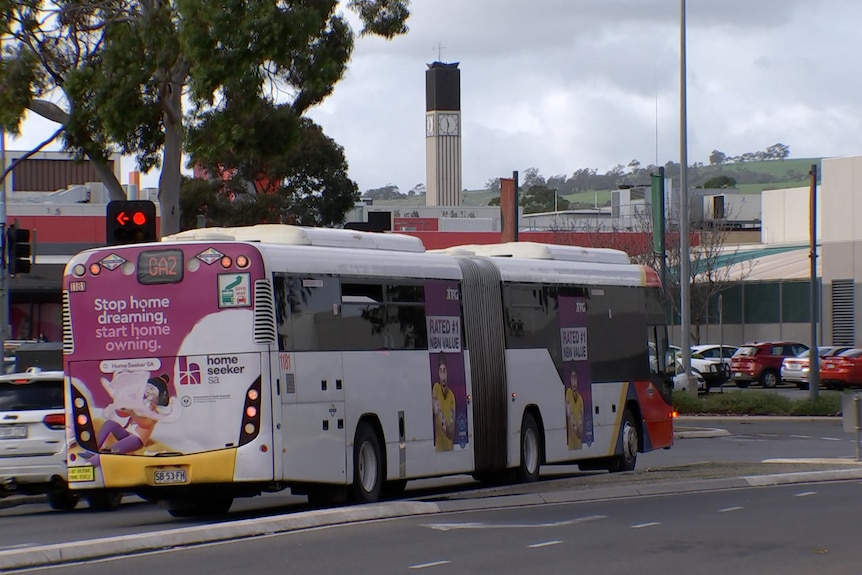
{"type": "Point", "coordinates": [787, 530]}
{"type": "Point", "coordinates": [752, 440]}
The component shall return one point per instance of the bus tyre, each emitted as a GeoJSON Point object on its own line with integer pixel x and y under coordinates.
{"type": "Point", "coordinates": [367, 466]}
{"type": "Point", "coordinates": [531, 450]}
{"type": "Point", "coordinates": [629, 434]}
{"type": "Point", "coordinates": [62, 499]}
{"type": "Point", "coordinates": [105, 500]}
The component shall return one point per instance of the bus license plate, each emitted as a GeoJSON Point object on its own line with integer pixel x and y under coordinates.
{"type": "Point", "coordinates": [167, 477]}
{"type": "Point", "coordinates": [13, 431]}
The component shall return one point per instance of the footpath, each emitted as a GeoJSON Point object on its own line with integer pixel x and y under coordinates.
{"type": "Point", "coordinates": [581, 487]}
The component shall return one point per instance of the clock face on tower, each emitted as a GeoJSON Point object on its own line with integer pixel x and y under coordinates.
{"type": "Point", "coordinates": [447, 124]}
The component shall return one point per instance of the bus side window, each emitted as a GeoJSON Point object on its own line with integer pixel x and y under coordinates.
{"type": "Point", "coordinates": [304, 311]}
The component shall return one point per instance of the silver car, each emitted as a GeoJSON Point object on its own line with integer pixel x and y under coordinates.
{"type": "Point", "coordinates": [33, 437]}
{"type": "Point", "coordinates": [795, 369]}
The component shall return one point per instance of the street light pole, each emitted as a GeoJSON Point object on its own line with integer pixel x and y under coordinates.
{"type": "Point", "coordinates": [684, 271]}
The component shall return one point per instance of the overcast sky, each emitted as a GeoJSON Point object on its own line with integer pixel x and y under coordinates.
{"type": "Point", "coordinates": [565, 84]}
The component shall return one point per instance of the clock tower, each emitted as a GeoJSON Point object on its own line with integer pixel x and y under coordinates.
{"type": "Point", "coordinates": [443, 134]}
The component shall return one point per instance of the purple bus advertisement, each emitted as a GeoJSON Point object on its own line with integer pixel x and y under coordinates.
{"type": "Point", "coordinates": [163, 372]}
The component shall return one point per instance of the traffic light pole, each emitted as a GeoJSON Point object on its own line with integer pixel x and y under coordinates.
{"type": "Point", "coordinates": [4, 294]}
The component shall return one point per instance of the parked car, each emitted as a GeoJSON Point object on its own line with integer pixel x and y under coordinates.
{"type": "Point", "coordinates": [680, 382]}
{"type": "Point", "coordinates": [33, 441]}
{"type": "Point", "coordinates": [842, 370]}
{"type": "Point", "coordinates": [795, 369]}
{"type": "Point", "coordinates": [33, 437]}
{"type": "Point", "coordinates": [714, 351]}
{"type": "Point", "coordinates": [760, 362]}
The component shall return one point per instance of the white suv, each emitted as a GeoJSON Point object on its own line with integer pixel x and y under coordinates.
{"type": "Point", "coordinates": [33, 437]}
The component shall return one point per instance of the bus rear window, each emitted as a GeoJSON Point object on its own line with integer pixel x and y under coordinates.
{"type": "Point", "coordinates": [160, 267]}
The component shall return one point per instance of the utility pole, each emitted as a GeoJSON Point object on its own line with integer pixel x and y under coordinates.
{"type": "Point", "coordinates": [684, 272]}
{"type": "Point", "coordinates": [813, 353]}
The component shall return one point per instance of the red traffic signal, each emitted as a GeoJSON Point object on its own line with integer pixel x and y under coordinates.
{"type": "Point", "coordinates": [130, 222]}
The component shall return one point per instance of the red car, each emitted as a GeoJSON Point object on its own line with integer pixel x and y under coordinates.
{"type": "Point", "coordinates": [842, 370]}
{"type": "Point", "coordinates": [761, 362]}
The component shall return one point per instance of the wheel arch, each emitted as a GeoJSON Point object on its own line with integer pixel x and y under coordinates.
{"type": "Point", "coordinates": [373, 421]}
{"type": "Point", "coordinates": [534, 410]}
{"type": "Point", "coordinates": [635, 409]}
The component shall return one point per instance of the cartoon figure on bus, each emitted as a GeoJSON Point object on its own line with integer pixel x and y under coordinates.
{"type": "Point", "coordinates": [443, 400]}
{"type": "Point", "coordinates": [574, 412]}
{"type": "Point", "coordinates": [139, 403]}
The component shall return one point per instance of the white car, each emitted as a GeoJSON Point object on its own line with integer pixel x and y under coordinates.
{"type": "Point", "coordinates": [680, 382]}
{"type": "Point", "coordinates": [33, 437]}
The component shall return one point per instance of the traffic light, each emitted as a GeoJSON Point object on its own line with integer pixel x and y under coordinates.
{"type": "Point", "coordinates": [130, 222]}
{"type": "Point", "coordinates": [18, 250]}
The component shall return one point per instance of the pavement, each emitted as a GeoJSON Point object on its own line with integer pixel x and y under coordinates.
{"type": "Point", "coordinates": [568, 490]}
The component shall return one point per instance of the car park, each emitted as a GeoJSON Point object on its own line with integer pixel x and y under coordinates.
{"type": "Point", "coordinates": [842, 370]}
{"type": "Point", "coordinates": [760, 362]}
{"type": "Point", "coordinates": [795, 370]}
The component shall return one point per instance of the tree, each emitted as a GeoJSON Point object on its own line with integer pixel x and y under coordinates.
{"type": "Point", "coordinates": [778, 151]}
{"type": "Point", "coordinates": [541, 199]}
{"type": "Point", "coordinates": [717, 158]}
{"type": "Point", "coordinates": [720, 182]}
{"type": "Point", "coordinates": [124, 69]}
{"type": "Point", "coordinates": [387, 192]}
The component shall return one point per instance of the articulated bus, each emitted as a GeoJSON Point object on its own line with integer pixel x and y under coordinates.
{"type": "Point", "coordinates": [228, 362]}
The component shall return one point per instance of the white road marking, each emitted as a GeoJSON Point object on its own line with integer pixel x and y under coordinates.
{"type": "Point", "coordinates": [726, 509]}
{"type": "Point", "coordinates": [545, 544]}
{"type": "Point", "coordinates": [642, 525]}
{"type": "Point", "coordinates": [831, 439]}
{"type": "Point", "coordinates": [426, 565]}
{"type": "Point", "coordinates": [806, 494]}
{"type": "Point", "coordinates": [801, 436]}
{"type": "Point", "coordinates": [479, 525]}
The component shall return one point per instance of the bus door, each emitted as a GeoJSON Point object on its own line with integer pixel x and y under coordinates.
{"type": "Point", "coordinates": [310, 379]}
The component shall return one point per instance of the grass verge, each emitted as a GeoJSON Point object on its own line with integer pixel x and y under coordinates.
{"type": "Point", "coordinates": [756, 403]}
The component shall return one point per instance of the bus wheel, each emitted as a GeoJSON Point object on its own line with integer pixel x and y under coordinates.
{"type": "Point", "coordinates": [105, 500]}
{"type": "Point", "coordinates": [627, 460]}
{"type": "Point", "coordinates": [62, 499]}
{"type": "Point", "coordinates": [367, 466]}
{"type": "Point", "coordinates": [531, 450]}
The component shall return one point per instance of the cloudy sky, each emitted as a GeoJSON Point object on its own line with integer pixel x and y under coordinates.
{"type": "Point", "coordinates": [565, 84]}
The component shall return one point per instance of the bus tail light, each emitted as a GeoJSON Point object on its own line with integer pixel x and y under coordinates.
{"type": "Point", "coordinates": [251, 414]}
{"type": "Point", "coordinates": [82, 422]}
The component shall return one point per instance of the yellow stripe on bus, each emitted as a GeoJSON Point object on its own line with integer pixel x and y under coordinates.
{"type": "Point", "coordinates": [133, 471]}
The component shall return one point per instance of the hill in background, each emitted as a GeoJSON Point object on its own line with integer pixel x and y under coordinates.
{"type": "Point", "coordinates": [587, 188]}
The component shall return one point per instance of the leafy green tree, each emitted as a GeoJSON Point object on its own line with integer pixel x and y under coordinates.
{"type": "Point", "coordinates": [387, 192]}
{"type": "Point", "coordinates": [717, 158]}
{"type": "Point", "coordinates": [720, 182]}
{"type": "Point", "coordinates": [137, 76]}
{"type": "Point", "coordinates": [306, 185]}
{"type": "Point", "coordinates": [539, 199]}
